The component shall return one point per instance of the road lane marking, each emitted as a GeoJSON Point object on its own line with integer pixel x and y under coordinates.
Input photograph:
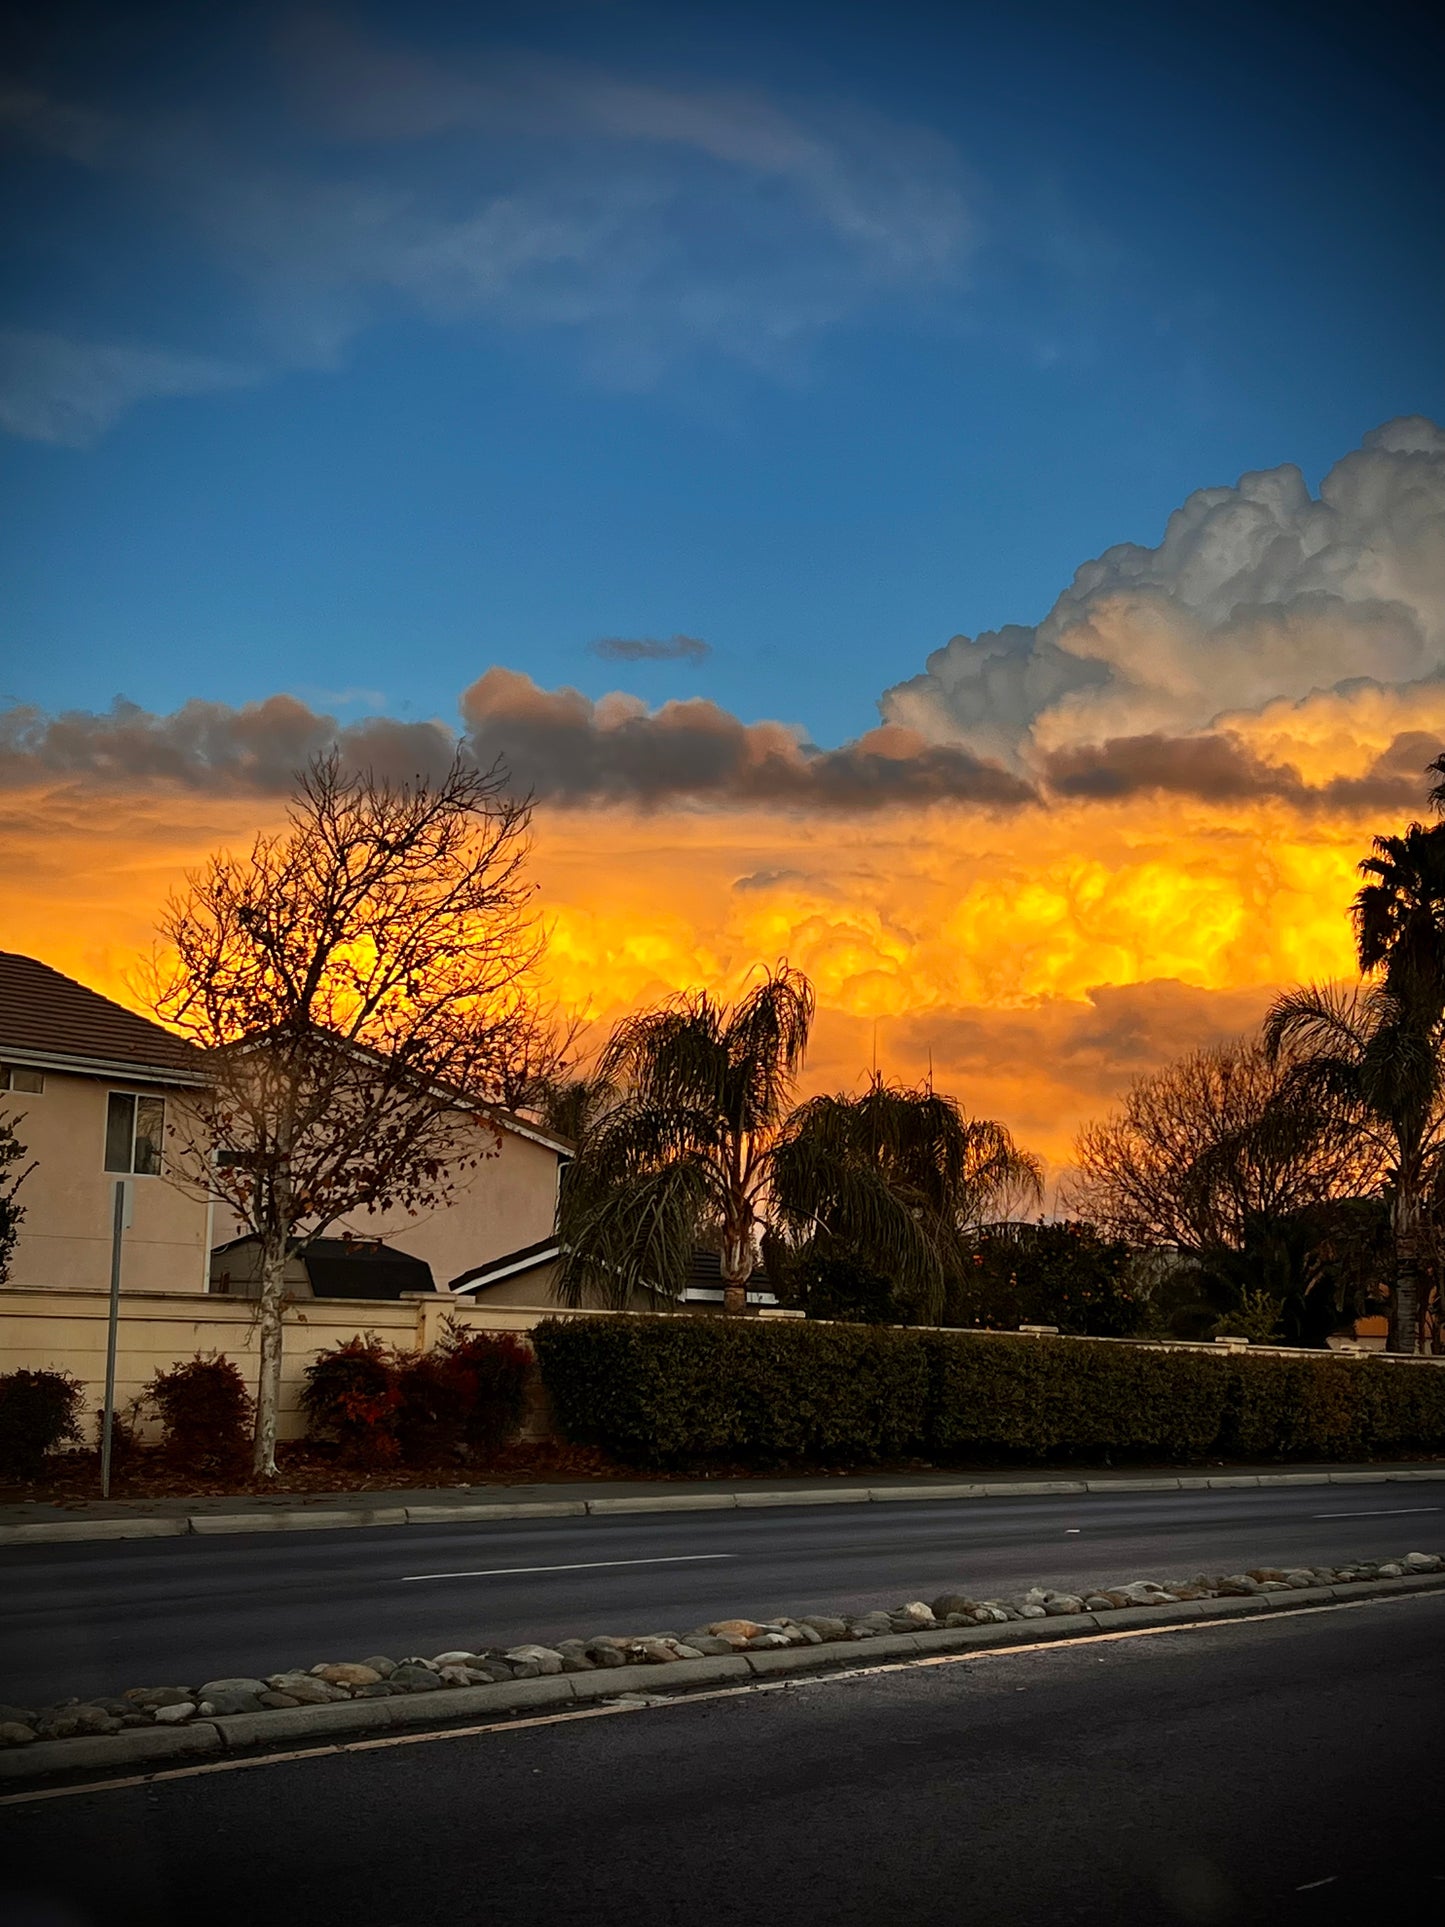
{"type": "Point", "coordinates": [581, 1565]}
{"type": "Point", "coordinates": [1381, 1512]}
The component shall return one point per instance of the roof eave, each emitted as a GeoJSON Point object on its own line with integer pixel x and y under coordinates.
{"type": "Point", "coordinates": [109, 1067]}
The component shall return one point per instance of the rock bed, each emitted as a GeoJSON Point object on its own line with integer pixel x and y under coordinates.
{"type": "Point", "coordinates": [380, 1677]}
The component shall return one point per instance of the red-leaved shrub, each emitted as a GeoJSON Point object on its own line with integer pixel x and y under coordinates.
{"type": "Point", "coordinates": [350, 1399]}
{"type": "Point", "coordinates": [205, 1412]}
{"type": "Point", "coordinates": [38, 1411]}
{"type": "Point", "coordinates": [494, 1367]}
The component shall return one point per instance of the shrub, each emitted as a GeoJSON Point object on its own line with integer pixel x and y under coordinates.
{"type": "Point", "coordinates": [350, 1398]}
{"type": "Point", "coordinates": [493, 1370]}
{"type": "Point", "coordinates": [38, 1411]}
{"type": "Point", "coordinates": [678, 1391]}
{"type": "Point", "coordinates": [1049, 1274]}
{"type": "Point", "coordinates": [205, 1412]}
{"type": "Point", "coordinates": [430, 1420]}
{"type": "Point", "coordinates": [466, 1397]}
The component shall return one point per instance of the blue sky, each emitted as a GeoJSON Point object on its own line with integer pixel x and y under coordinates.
{"type": "Point", "coordinates": [350, 353]}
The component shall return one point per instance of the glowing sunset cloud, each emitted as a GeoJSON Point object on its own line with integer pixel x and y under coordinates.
{"type": "Point", "coordinates": [1045, 896]}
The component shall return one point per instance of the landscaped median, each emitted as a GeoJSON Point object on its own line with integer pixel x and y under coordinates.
{"type": "Point", "coordinates": [146, 1727]}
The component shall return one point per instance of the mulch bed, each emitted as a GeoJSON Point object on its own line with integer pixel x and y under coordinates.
{"type": "Point", "coordinates": [74, 1477]}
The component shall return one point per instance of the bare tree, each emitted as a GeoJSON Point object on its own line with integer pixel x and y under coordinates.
{"type": "Point", "coordinates": [12, 1153]}
{"type": "Point", "coordinates": [1204, 1151]}
{"type": "Point", "coordinates": [358, 984]}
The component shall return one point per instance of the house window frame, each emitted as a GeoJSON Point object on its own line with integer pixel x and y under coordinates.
{"type": "Point", "coordinates": [134, 1136]}
{"type": "Point", "coordinates": [9, 1073]}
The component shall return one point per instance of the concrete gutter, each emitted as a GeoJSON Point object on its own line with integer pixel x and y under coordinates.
{"type": "Point", "coordinates": [145, 1747]}
{"type": "Point", "coordinates": [335, 1518]}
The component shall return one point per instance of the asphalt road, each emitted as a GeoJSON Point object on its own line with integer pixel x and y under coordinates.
{"type": "Point", "coordinates": [96, 1618]}
{"type": "Point", "coordinates": [1267, 1772]}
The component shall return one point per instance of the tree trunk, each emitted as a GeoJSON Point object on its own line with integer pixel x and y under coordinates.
{"type": "Point", "coordinates": [1405, 1289]}
{"type": "Point", "coordinates": [1405, 1296]}
{"type": "Point", "coordinates": [268, 1386]}
{"type": "Point", "coordinates": [737, 1267]}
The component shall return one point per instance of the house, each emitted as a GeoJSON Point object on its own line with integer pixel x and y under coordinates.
{"type": "Point", "coordinates": [508, 1198]}
{"type": "Point", "coordinates": [322, 1268]}
{"type": "Point", "coordinates": [98, 1089]}
{"type": "Point", "coordinates": [528, 1276]}
{"type": "Point", "coordinates": [93, 1089]}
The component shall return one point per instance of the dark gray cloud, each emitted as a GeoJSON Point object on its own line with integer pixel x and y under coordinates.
{"type": "Point", "coordinates": [564, 748]}
{"type": "Point", "coordinates": [651, 649]}
{"type": "Point", "coordinates": [1222, 768]}
{"type": "Point", "coordinates": [562, 745]}
{"type": "Point", "coordinates": [208, 746]}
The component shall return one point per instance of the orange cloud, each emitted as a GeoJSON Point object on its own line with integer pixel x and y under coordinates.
{"type": "Point", "coordinates": [1041, 955]}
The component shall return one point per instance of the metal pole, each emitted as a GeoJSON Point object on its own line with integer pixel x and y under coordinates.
{"type": "Point", "coordinates": [108, 1417]}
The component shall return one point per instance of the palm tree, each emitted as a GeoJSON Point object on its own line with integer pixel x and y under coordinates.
{"type": "Point", "coordinates": [895, 1179]}
{"type": "Point", "coordinates": [1400, 914]}
{"type": "Point", "coordinates": [1379, 1050]}
{"type": "Point", "coordinates": [685, 1152]}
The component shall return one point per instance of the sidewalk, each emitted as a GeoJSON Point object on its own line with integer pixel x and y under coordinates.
{"type": "Point", "coordinates": [97, 1519]}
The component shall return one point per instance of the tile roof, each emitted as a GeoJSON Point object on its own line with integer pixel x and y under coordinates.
{"type": "Point", "coordinates": [43, 1013]}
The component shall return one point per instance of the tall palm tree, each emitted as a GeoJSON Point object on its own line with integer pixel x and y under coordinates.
{"type": "Point", "coordinates": [895, 1178]}
{"type": "Point", "coordinates": [685, 1152]}
{"type": "Point", "coordinates": [1380, 1051]}
{"type": "Point", "coordinates": [1400, 914]}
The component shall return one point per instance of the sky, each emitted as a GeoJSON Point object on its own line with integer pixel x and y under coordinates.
{"type": "Point", "coordinates": [953, 495]}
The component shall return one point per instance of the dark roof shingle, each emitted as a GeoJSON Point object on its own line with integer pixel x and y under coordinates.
{"type": "Point", "coordinates": [42, 1011]}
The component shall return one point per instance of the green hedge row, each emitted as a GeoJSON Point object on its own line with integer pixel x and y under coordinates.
{"type": "Point", "coordinates": [688, 1391]}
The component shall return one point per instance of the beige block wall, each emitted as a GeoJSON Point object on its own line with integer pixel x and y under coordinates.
{"type": "Point", "coordinates": [69, 1199]}
{"type": "Point", "coordinates": [66, 1331]}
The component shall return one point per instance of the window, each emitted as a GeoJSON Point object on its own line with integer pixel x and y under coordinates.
{"type": "Point", "coordinates": [134, 1128]}
{"type": "Point", "coordinates": [13, 1078]}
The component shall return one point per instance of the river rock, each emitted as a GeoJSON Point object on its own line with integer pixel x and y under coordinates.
{"type": "Point", "coordinates": [742, 1629]}
{"type": "Point", "coordinates": [347, 1673]}
{"type": "Point", "coordinates": [305, 1689]}
{"type": "Point", "coordinates": [234, 1695]}
{"type": "Point", "coordinates": [917, 1613]}
{"type": "Point", "coordinates": [1422, 1562]}
{"type": "Point", "coordinates": [606, 1652]}
{"type": "Point", "coordinates": [1391, 1570]}
{"type": "Point", "coordinates": [825, 1626]}
{"type": "Point", "coordinates": [17, 1733]}
{"type": "Point", "coordinates": [179, 1711]}
{"type": "Point", "coordinates": [545, 1658]}
{"type": "Point", "coordinates": [415, 1677]}
{"type": "Point", "coordinates": [17, 1715]}
{"type": "Point", "coordinates": [1059, 1604]}
{"type": "Point", "coordinates": [952, 1602]}
{"type": "Point", "coordinates": [151, 1698]}
{"type": "Point", "coordinates": [380, 1665]}
{"type": "Point", "coordinates": [275, 1702]}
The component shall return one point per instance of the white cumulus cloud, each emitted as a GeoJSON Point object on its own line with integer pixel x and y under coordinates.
{"type": "Point", "coordinates": [1256, 592]}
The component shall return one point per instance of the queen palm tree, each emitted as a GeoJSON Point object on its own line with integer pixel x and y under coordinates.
{"type": "Point", "coordinates": [895, 1179]}
{"type": "Point", "coordinates": [684, 1153]}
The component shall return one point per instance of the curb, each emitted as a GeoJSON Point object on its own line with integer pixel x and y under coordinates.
{"type": "Point", "coordinates": [237, 1731]}
{"type": "Point", "coordinates": [335, 1518]}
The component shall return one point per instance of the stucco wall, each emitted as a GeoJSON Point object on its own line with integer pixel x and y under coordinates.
{"type": "Point", "coordinates": [69, 1199]}
{"type": "Point", "coordinates": [66, 1331]}
{"type": "Point", "coordinates": [508, 1201]}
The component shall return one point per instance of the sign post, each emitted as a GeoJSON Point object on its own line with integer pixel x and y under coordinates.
{"type": "Point", "coordinates": [118, 1224]}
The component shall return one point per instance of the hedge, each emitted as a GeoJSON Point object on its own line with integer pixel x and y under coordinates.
{"type": "Point", "coordinates": [695, 1390]}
